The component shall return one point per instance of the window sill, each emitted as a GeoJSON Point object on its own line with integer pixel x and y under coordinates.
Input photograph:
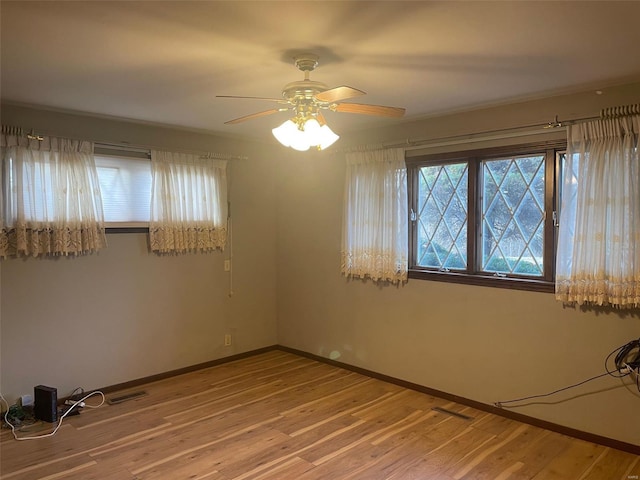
{"type": "Point", "coordinates": [484, 280]}
{"type": "Point", "coordinates": [127, 229]}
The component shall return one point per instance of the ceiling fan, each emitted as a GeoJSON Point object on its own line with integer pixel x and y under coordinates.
{"type": "Point", "coordinates": [306, 99]}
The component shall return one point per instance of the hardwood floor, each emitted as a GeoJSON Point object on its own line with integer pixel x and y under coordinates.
{"type": "Point", "coordinates": [278, 416]}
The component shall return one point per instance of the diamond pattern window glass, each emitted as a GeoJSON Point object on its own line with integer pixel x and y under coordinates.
{"type": "Point", "coordinates": [513, 215]}
{"type": "Point", "coordinates": [442, 216]}
{"type": "Point", "coordinates": [486, 217]}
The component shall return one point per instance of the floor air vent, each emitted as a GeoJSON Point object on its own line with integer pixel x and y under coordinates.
{"type": "Point", "coordinates": [451, 412]}
{"type": "Point", "coordinates": [125, 397]}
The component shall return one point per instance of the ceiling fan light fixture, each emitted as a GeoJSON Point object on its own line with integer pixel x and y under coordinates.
{"type": "Point", "coordinates": [327, 137]}
{"type": "Point", "coordinates": [285, 132]}
{"type": "Point", "coordinates": [306, 98]}
{"type": "Point", "coordinates": [303, 135]}
{"type": "Point", "coordinates": [300, 141]}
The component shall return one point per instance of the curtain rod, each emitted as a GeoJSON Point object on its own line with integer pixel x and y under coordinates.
{"type": "Point", "coordinates": [146, 149]}
{"type": "Point", "coordinates": [19, 131]}
{"type": "Point", "coordinates": [497, 134]}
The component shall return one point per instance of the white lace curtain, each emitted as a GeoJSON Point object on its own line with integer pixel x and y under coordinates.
{"type": "Point", "coordinates": [374, 232]}
{"type": "Point", "coordinates": [598, 258]}
{"type": "Point", "coordinates": [51, 203]}
{"type": "Point", "coordinates": [188, 203]}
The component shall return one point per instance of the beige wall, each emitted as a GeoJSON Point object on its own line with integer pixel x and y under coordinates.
{"type": "Point", "coordinates": [133, 314]}
{"type": "Point", "coordinates": [124, 313]}
{"type": "Point", "coordinates": [485, 344]}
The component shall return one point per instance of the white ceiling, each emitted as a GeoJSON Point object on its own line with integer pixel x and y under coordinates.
{"type": "Point", "coordinates": [165, 61]}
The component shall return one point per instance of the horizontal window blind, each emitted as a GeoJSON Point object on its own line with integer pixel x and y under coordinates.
{"type": "Point", "coordinates": [125, 183]}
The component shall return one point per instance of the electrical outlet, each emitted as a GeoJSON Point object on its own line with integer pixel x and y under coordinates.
{"type": "Point", "coordinates": [227, 265]}
{"type": "Point", "coordinates": [26, 400]}
{"type": "Point", "coordinates": [227, 340]}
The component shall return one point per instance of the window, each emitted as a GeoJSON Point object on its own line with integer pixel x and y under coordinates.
{"type": "Point", "coordinates": [125, 184]}
{"type": "Point", "coordinates": [51, 200]}
{"type": "Point", "coordinates": [124, 178]}
{"type": "Point", "coordinates": [37, 197]}
{"type": "Point", "coordinates": [485, 217]}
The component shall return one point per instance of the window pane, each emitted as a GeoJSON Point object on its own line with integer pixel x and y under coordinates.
{"type": "Point", "coordinates": [125, 184]}
{"type": "Point", "coordinates": [442, 216]}
{"type": "Point", "coordinates": [30, 185]}
{"type": "Point", "coordinates": [513, 215]}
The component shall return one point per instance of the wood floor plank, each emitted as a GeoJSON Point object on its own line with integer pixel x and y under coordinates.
{"type": "Point", "coordinates": [346, 462]}
{"type": "Point", "coordinates": [94, 471]}
{"type": "Point", "coordinates": [224, 457]}
{"type": "Point", "coordinates": [279, 416]}
{"type": "Point", "coordinates": [633, 472]}
{"type": "Point", "coordinates": [52, 470]}
{"type": "Point", "coordinates": [309, 441]}
{"type": "Point", "coordinates": [611, 463]}
{"type": "Point", "coordinates": [311, 418]}
{"type": "Point", "coordinates": [493, 423]}
{"type": "Point", "coordinates": [509, 458]}
{"type": "Point", "coordinates": [292, 468]}
{"type": "Point", "coordinates": [573, 463]}
{"type": "Point", "coordinates": [532, 456]}
{"type": "Point", "coordinates": [497, 443]}
{"type": "Point", "coordinates": [447, 444]}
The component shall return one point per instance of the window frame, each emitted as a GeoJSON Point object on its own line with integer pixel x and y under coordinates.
{"type": "Point", "coordinates": [552, 149]}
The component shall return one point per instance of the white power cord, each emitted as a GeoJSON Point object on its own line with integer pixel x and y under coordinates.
{"type": "Point", "coordinates": [230, 234]}
{"type": "Point", "coordinates": [635, 373]}
{"type": "Point", "coordinates": [51, 434]}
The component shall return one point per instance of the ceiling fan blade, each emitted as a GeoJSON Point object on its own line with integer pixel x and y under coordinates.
{"type": "Point", "coordinates": [281, 100]}
{"type": "Point", "coordinates": [252, 116]}
{"type": "Point", "coordinates": [395, 112]}
{"type": "Point", "coordinates": [339, 93]}
{"type": "Point", "coordinates": [321, 119]}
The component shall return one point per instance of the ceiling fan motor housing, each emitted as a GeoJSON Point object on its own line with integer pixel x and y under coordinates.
{"type": "Point", "coordinates": [304, 89]}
